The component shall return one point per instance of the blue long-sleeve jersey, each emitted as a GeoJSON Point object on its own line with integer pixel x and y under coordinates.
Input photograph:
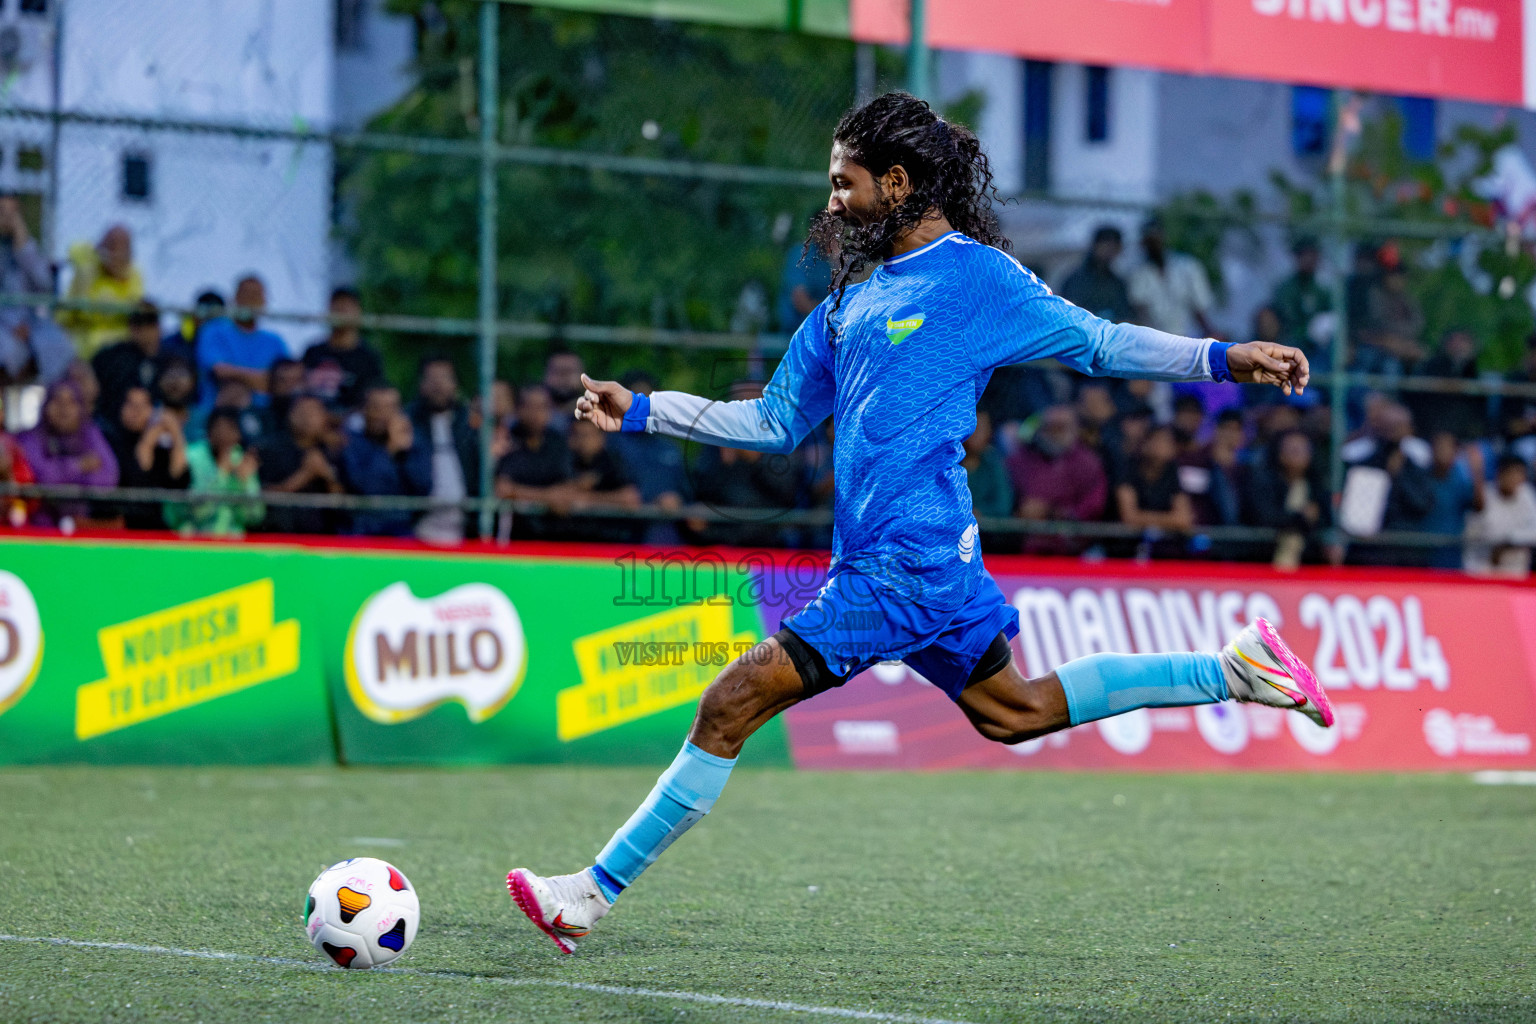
{"type": "Point", "coordinates": [900, 371]}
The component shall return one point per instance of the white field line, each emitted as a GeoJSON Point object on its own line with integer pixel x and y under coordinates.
{"type": "Point", "coordinates": [704, 998]}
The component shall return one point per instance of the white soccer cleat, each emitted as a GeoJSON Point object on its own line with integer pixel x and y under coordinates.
{"type": "Point", "coordinates": [1260, 669]}
{"type": "Point", "coordinates": [564, 907]}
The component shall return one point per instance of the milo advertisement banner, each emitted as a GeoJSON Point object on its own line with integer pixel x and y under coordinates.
{"type": "Point", "coordinates": [463, 658]}
{"type": "Point", "coordinates": [163, 653]}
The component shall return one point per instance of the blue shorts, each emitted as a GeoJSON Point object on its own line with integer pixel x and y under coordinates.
{"type": "Point", "coordinates": [855, 622]}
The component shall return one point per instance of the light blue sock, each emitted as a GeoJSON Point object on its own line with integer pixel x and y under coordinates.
{"type": "Point", "coordinates": [1102, 685]}
{"type": "Point", "coordinates": [684, 794]}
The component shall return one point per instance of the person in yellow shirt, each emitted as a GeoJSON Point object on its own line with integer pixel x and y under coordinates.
{"type": "Point", "coordinates": [104, 272]}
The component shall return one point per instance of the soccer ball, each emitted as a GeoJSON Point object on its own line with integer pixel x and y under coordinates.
{"type": "Point", "coordinates": [361, 913]}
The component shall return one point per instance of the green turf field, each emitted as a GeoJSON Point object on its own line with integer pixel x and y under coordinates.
{"type": "Point", "coordinates": [1002, 897]}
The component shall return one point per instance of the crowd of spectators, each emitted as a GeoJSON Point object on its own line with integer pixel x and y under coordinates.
{"type": "Point", "coordinates": [220, 407]}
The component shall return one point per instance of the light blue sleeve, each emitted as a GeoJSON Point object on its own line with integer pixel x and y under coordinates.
{"type": "Point", "coordinates": [796, 400]}
{"type": "Point", "coordinates": [1023, 320]}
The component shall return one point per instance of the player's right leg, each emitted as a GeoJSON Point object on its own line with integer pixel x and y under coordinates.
{"type": "Point", "coordinates": [747, 693]}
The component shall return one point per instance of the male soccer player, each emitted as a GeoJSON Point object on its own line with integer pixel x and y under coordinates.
{"type": "Point", "coordinates": [899, 360]}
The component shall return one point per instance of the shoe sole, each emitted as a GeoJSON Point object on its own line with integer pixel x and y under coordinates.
{"type": "Point", "coordinates": [1300, 673]}
{"type": "Point", "coordinates": [526, 901]}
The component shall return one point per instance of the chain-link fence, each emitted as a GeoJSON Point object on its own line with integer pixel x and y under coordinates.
{"type": "Point", "coordinates": [635, 192]}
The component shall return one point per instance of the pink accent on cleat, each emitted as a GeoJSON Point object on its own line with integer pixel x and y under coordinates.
{"type": "Point", "coordinates": [1300, 673]}
{"type": "Point", "coordinates": [528, 903]}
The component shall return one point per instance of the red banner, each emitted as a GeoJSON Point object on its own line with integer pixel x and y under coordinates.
{"type": "Point", "coordinates": [1466, 49]}
{"type": "Point", "coordinates": [1425, 673]}
{"type": "Point", "coordinates": [1167, 34]}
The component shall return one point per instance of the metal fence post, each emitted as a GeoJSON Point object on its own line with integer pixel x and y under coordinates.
{"type": "Point", "coordinates": [918, 55]}
{"type": "Point", "coordinates": [1344, 260]}
{"type": "Point", "coordinates": [490, 53]}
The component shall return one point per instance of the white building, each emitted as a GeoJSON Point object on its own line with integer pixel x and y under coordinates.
{"type": "Point", "coordinates": [204, 207]}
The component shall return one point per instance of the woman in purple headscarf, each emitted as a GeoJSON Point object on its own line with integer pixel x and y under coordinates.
{"type": "Point", "coordinates": [66, 447]}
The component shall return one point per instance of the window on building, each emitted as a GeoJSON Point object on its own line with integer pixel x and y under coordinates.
{"type": "Point", "coordinates": [351, 16]}
{"type": "Point", "coordinates": [1311, 117]}
{"type": "Point", "coordinates": [1037, 125]}
{"type": "Point", "coordinates": [1419, 138]}
{"type": "Point", "coordinates": [30, 158]}
{"type": "Point", "coordinates": [34, 6]}
{"type": "Point", "coordinates": [1097, 127]}
{"type": "Point", "coordinates": [136, 178]}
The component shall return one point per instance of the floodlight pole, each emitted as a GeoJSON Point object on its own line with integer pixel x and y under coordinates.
{"type": "Point", "coordinates": [918, 63]}
{"type": "Point", "coordinates": [489, 118]}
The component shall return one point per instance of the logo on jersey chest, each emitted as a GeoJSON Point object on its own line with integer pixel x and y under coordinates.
{"type": "Point", "coordinates": [900, 325]}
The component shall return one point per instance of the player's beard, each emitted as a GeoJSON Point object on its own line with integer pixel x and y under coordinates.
{"type": "Point", "coordinates": [850, 247]}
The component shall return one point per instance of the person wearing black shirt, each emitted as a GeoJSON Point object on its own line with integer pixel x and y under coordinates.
{"type": "Point", "coordinates": [1095, 286]}
{"type": "Point", "coordinates": [342, 366]}
{"type": "Point", "coordinates": [132, 363]}
{"type": "Point", "coordinates": [538, 467]}
{"type": "Point", "coordinates": [151, 451]}
{"type": "Point", "coordinates": [297, 461]}
{"type": "Point", "coordinates": [599, 478]}
{"type": "Point", "coordinates": [1149, 495]}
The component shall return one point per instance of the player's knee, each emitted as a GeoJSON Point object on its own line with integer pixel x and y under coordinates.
{"type": "Point", "coordinates": [727, 708]}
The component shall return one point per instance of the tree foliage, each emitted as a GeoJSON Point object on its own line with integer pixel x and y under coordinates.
{"type": "Point", "coordinates": [594, 247]}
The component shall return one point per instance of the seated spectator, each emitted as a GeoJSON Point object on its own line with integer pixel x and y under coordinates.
{"type": "Point", "coordinates": [1149, 496]}
{"type": "Point", "coordinates": [1287, 493]}
{"type": "Point", "coordinates": [538, 467]}
{"type": "Point", "coordinates": [1300, 299]}
{"type": "Point", "coordinates": [1466, 416]}
{"type": "Point", "coordinates": [442, 419]}
{"type": "Point", "coordinates": [80, 374]}
{"type": "Point", "coordinates": [1122, 440]}
{"type": "Point", "coordinates": [598, 480]}
{"type": "Point", "coordinates": [1096, 413]}
{"type": "Point", "coordinates": [297, 460]}
{"type": "Point", "coordinates": [105, 273]}
{"type": "Point", "coordinates": [285, 382]}
{"type": "Point", "coordinates": [174, 392]}
{"type": "Point", "coordinates": [182, 342]}
{"type": "Point", "coordinates": [1410, 496]}
{"type": "Point", "coordinates": [151, 451]}
{"type": "Point", "coordinates": [655, 463]}
{"type": "Point", "coordinates": [236, 348]}
{"type": "Point", "coordinates": [1188, 423]}
{"type": "Point", "coordinates": [1057, 477]}
{"type": "Point", "coordinates": [15, 469]}
{"type": "Point", "coordinates": [1500, 537]}
{"type": "Point", "coordinates": [219, 465]}
{"type": "Point", "coordinates": [985, 473]}
{"type": "Point", "coordinates": [1095, 286]}
{"type": "Point", "coordinates": [1388, 424]}
{"type": "Point", "coordinates": [131, 363]}
{"type": "Point", "coordinates": [1390, 337]}
{"type": "Point", "coordinates": [385, 458]}
{"type": "Point", "coordinates": [236, 395]}
{"type": "Point", "coordinates": [342, 366]}
{"type": "Point", "coordinates": [67, 448]}
{"type": "Point", "coordinates": [1211, 473]}
{"type": "Point", "coordinates": [1458, 486]}
{"type": "Point", "coordinates": [31, 345]}
{"type": "Point", "coordinates": [562, 376]}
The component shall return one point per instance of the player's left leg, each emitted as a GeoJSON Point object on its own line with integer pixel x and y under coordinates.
{"type": "Point", "coordinates": [1255, 667]}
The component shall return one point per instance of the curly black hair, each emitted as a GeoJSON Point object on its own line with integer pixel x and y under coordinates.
{"type": "Point", "coordinates": [950, 176]}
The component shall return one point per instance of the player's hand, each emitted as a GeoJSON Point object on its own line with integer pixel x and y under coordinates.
{"type": "Point", "coordinates": [605, 403]}
{"type": "Point", "coordinates": [1264, 362]}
